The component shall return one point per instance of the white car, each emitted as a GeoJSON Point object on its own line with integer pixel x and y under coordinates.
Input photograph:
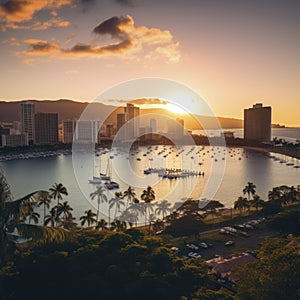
{"type": "Point", "coordinates": [194, 255]}
{"type": "Point", "coordinates": [229, 243]}
{"type": "Point", "coordinates": [203, 245]}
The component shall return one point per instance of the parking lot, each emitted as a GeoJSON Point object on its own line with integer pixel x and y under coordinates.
{"type": "Point", "coordinates": [225, 241]}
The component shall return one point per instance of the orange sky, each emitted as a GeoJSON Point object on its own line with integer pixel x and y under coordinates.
{"type": "Point", "coordinates": [232, 53]}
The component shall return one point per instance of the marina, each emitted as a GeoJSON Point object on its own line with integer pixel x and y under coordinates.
{"type": "Point", "coordinates": [241, 166]}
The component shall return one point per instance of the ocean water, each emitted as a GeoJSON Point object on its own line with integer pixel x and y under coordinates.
{"type": "Point", "coordinates": [289, 134]}
{"type": "Point", "coordinates": [226, 172]}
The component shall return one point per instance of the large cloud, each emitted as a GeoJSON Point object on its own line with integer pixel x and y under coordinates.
{"type": "Point", "coordinates": [128, 39]}
{"type": "Point", "coordinates": [15, 11]}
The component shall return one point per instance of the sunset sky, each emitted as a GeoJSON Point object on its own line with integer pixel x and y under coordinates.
{"type": "Point", "coordinates": [233, 53]}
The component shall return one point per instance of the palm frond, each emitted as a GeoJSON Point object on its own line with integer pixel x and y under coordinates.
{"type": "Point", "coordinates": [19, 207]}
{"type": "Point", "coordinates": [43, 234]}
{"type": "Point", "coordinates": [5, 193]}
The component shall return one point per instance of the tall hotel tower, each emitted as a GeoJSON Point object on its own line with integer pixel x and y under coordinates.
{"type": "Point", "coordinates": [133, 113]}
{"type": "Point", "coordinates": [46, 128]}
{"type": "Point", "coordinates": [27, 120]}
{"type": "Point", "coordinates": [257, 123]}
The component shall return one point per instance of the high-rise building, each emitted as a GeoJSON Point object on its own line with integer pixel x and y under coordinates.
{"type": "Point", "coordinates": [176, 128]}
{"type": "Point", "coordinates": [46, 128]}
{"type": "Point", "coordinates": [27, 120]}
{"type": "Point", "coordinates": [14, 140]}
{"type": "Point", "coordinates": [109, 130]}
{"type": "Point", "coordinates": [179, 128]}
{"type": "Point", "coordinates": [68, 131]}
{"type": "Point", "coordinates": [87, 131]}
{"type": "Point", "coordinates": [153, 125]}
{"type": "Point", "coordinates": [121, 120]}
{"type": "Point", "coordinates": [257, 123]}
{"type": "Point", "coordinates": [133, 114]}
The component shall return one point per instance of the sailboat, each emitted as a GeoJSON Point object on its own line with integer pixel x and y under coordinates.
{"type": "Point", "coordinates": [110, 184]}
{"type": "Point", "coordinates": [101, 177]}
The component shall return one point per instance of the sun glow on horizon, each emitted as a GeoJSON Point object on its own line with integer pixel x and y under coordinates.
{"type": "Point", "coordinates": [175, 108]}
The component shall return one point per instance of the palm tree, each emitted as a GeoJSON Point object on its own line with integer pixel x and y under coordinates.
{"type": "Point", "coordinates": [136, 209]}
{"type": "Point", "coordinates": [275, 195]}
{"type": "Point", "coordinates": [102, 224]}
{"type": "Point", "coordinates": [32, 215]}
{"type": "Point", "coordinates": [249, 189]}
{"type": "Point", "coordinates": [130, 195]}
{"type": "Point", "coordinates": [100, 196]}
{"type": "Point", "coordinates": [11, 213]}
{"type": "Point", "coordinates": [163, 208]}
{"type": "Point", "coordinates": [117, 202]}
{"type": "Point", "coordinates": [68, 222]}
{"type": "Point", "coordinates": [44, 200]}
{"type": "Point", "coordinates": [88, 218]}
{"type": "Point", "coordinates": [241, 203]}
{"type": "Point", "coordinates": [292, 194]}
{"type": "Point", "coordinates": [118, 225]}
{"type": "Point", "coordinates": [129, 217]}
{"type": "Point", "coordinates": [64, 209]}
{"type": "Point", "coordinates": [148, 196]}
{"type": "Point", "coordinates": [257, 202]}
{"type": "Point", "coordinates": [57, 190]}
{"type": "Point", "coordinates": [212, 207]}
{"type": "Point", "coordinates": [149, 207]}
{"type": "Point", "coordinates": [52, 217]}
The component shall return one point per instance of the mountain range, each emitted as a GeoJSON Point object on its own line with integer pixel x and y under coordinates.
{"type": "Point", "coordinates": [69, 109]}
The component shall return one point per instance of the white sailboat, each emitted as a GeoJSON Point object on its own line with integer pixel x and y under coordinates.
{"type": "Point", "coordinates": [110, 184]}
{"type": "Point", "coordinates": [101, 177]}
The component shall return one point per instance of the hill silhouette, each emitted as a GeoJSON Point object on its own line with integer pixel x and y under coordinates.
{"type": "Point", "coordinates": [69, 109]}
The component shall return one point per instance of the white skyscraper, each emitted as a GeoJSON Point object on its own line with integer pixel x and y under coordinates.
{"type": "Point", "coordinates": [86, 131]}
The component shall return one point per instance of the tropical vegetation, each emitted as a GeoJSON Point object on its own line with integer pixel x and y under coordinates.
{"type": "Point", "coordinates": [98, 255]}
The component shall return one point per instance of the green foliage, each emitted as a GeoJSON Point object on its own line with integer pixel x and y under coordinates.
{"type": "Point", "coordinates": [276, 275]}
{"type": "Point", "coordinates": [206, 294]}
{"type": "Point", "coordinates": [271, 208]}
{"type": "Point", "coordinates": [186, 225]}
{"type": "Point", "coordinates": [286, 221]}
{"type": "Point", "coordinates": [104, 265]}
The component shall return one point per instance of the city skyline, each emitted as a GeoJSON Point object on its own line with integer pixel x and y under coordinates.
{"type": "Point", "coordinates": [231, 55]}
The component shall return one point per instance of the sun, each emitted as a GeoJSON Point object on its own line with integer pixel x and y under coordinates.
{"type": "Point", "coordinates": [174, 108]}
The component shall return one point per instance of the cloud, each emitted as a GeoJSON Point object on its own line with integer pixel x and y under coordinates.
{"type": "Point", "coordinates": [12, 42]}
{"type": "Point", "coordinates": [41, 47]}
{"type": "Point", "coordinates": [23, 10]}
{"type": "Point", "coordinates": [128, 40]}
{"type": "Point", "coordinates": [37, 25]}
{"type": "Point", "coordinates": [115, 26]}
{"type": "Point", "coordinates": [14, 13]}
{"type": "Point", "coordinates": [140, 101]}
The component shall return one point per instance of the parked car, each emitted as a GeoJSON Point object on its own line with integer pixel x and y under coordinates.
{"type": "Point", "coordinates": [229, 243]}
{"type": "Point", "coordinates": [194, 255]}
{"type": "Point", "coordinates": [192, 246]}
{"type": "Point", "coordinates": [203, 245]}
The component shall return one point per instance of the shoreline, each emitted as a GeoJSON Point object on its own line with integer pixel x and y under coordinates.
{"type": "Point", "coordinates": [288, 152]}
{"type": "Point", "coordinates": [294, 153]}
